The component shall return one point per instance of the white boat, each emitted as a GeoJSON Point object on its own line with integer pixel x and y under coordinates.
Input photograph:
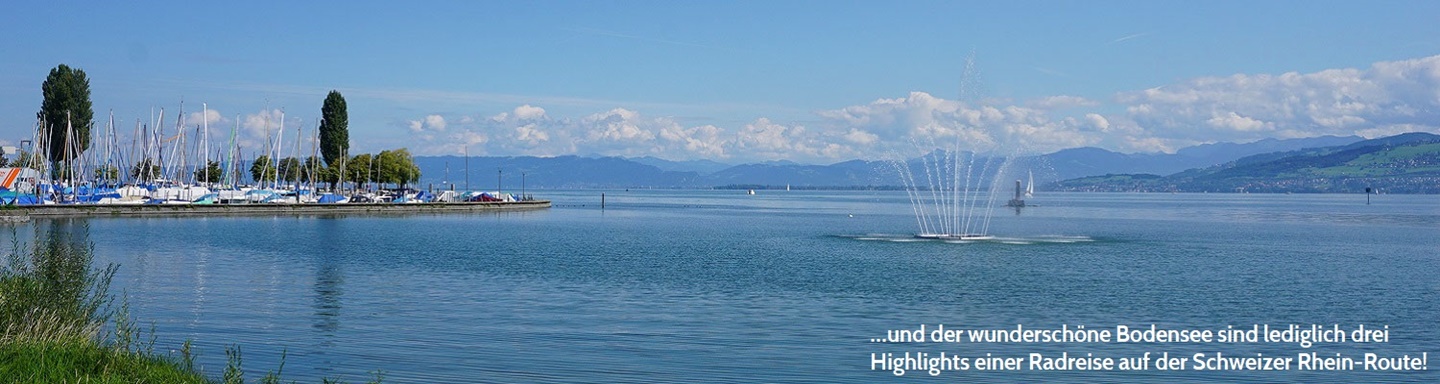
{"type": "Point", "coordinates": [132, 191]}
{"type": "Point", "coordinates": [123, 200]}
{"type": "Point", "coordinates": [447, 197]}
{"type": "Point", "coordinates": [1030, 188]}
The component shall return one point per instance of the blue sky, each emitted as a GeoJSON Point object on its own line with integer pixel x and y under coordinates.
{"type": "Point", "coordinates": [809, 81]}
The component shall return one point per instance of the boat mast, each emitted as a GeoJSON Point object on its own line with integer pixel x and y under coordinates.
{"type": "Point", "coordinates": [205, 141]}
{"type": "Point", "coordinates": [156, 134]}
{"type": "Point", "coordinates": [279, 145]}
{"type": "Point", "coordinates": [269, 145]}
{"type": "Point", "coordinates": [233, 177]}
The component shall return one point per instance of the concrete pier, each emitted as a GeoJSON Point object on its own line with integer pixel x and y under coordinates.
{"type": "Point", "coordinates": [23, 213]}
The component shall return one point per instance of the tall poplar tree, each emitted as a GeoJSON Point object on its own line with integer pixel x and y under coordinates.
{"type": "Point", "coordinates": [66, 112]}
{"type": "Point", "coordinates": [334, 129]}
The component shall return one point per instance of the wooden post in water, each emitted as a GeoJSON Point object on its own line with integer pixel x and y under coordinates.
{"type": "Point", "coordinates": [602, 201]}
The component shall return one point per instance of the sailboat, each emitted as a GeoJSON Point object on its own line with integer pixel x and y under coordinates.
{"type": "Point", "coordinates": [1030, 188]}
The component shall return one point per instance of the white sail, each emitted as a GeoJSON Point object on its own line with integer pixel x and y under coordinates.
{"type": "Point", "coordinates": [1030, 188]}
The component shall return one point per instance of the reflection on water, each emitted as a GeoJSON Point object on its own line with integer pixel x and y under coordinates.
{"type": "Point", "coordinates": [329, 279]}
{"type": "Point", "coordinates": [685, 286]}
{"type": "Point", "coordinates": [202, 266]}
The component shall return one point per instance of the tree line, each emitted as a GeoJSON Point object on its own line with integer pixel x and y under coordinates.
{"type": "Point", "coordinates": [66, 118]}
{"type": "Point", "coordinates": [388, 167]}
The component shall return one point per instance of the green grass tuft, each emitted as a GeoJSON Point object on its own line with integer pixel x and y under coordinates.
{"type": "Point", "coordinates": [83, 361]}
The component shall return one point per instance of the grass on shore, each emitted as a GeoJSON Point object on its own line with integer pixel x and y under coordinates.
{"type": "Point", "coordinates": [53, 307]}
{"type": "Point", "coordinates": [77, 361]}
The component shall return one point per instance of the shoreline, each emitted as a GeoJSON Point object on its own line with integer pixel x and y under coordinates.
{"type": "Point", "coordinates": [24, 213]}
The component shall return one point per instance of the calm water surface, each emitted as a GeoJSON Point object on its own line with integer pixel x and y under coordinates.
{"type": "Point", "coordinates": [687, 286]}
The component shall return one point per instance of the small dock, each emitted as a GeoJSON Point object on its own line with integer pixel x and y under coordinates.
{"type": "Point", "coordinates": [24, 213]}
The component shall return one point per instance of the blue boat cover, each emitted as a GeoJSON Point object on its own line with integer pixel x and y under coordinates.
{"type": "Point", "coordinates": [330, 198]}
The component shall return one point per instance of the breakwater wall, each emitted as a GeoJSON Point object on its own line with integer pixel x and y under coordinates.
{"type": "Point", "coordinates": [23, 213]}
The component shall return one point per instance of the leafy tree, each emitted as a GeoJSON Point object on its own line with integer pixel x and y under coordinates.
{"type": "Point", "coordinates": [145, 170]}
{"type": "Point", "coordinates": [262, 169]}
{"type": "Point", "coordinates": [212, 173]}
{"type": "Point", "coordinates": [384, 171]}
{"type": "Point", "coordinates": [358, 169]}
{"type": "Point", "coordinates": [334, 129]}
{"type": "Point", "coordinates": [107, 173]}
{"type": "Point", "coordinates": [397, 167]}
{"type": "Point", "coordinates": [66, 108]}
{"type": "Point", "coordinates": [290, 169]}
{"type": "Point", "coordinates": [313, 169]}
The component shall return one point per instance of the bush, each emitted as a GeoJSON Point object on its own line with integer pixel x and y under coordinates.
{"type": "Point", "coordinates": [52, 308]}
{"type": "Point", "coordinates": [49, 292]}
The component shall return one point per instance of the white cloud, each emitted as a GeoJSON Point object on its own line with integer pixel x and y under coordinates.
{"type": "Point", "coordinates": [620, 125]}
{"type": "Point", "coordinates": [527, 112]}
{"type": "Point", "coordinates": [430, 123]}
{"type": "Point", "coordinates": [704, 140]}
{"type": "Point", "coordinates": [862, 131]}
{"type": "Point", "coordinates": [861, 137]}
{"type": "Point", "coordinates": [1100, 123]}
{"type": "Point", "coordinates": [922, 119]}
{"type": "Point", "coordinates": [1387, 97]}
{"type": "Point", "coordinates": [1235, 122]}
{"type": "Point", "coordinates": [529, 133]}
{"type": "Point", "coordinates": [764, 135]}
{"type": "Point", "coordinates": [471, 138]}
{"type": "Point", "coordinates": [435, 122]}
{"type": "Point", "coordinates": [259, 131]}
{"type": "Point", "coordinates": [207, 116]}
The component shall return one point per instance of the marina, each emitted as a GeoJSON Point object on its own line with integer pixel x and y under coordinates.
{"type": "Point", "coordinates": [94, 210]}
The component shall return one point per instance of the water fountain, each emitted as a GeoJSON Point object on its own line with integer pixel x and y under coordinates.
{"type": "Point", "coordinates": [953, 193]}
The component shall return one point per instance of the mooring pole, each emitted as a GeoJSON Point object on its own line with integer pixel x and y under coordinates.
{"type": "Point", "coordinates": [602, 201]}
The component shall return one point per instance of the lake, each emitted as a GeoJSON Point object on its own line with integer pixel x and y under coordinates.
{"type": "Point", "coordinates": [781, 286]}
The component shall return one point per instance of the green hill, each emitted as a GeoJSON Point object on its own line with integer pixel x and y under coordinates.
{"type": "Point", "coordinates": [1407, 163]}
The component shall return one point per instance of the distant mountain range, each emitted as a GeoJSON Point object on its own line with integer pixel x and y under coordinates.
{"type": "Point", "coordinates": [488, 173]}
{"type": "Point", "coordinates": [514, 173]}
{"type": "Point", "coordinates": [1081, 162]}
{"type": "Point", "coordinates": [703, 167]}
{"type": "Point", "coordinates": [1407, 163]}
